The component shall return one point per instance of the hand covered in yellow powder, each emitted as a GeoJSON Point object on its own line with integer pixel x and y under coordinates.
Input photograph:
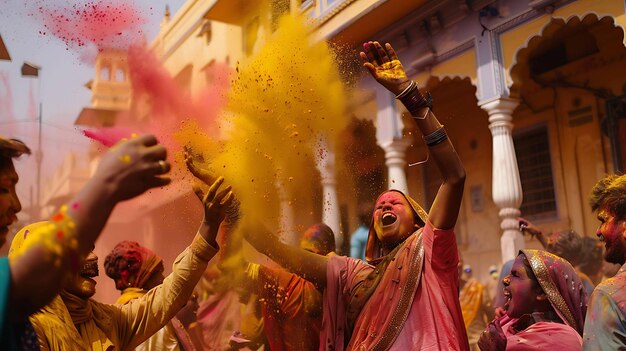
{"type": "Point", "coordinates": [383, 64]}
{"type": "Point", "coordinates": [215, 204]}
{"type": "Point", "coordinates": [133, 166]}
{"type": "Point", "coordinates": [197, 170]}
{"type": "Point", "coordinates": [203, 174]}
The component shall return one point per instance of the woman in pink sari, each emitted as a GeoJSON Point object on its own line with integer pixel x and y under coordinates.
{"type": "Point", "coordinates": [545, 306]}
{"type": "Point", "coordinates": [406, 296]}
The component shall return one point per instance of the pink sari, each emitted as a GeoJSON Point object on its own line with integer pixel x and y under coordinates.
{"type": "Point", "coordinates": [415, 306]}
{"type": "Point", "coordinates": [541, 336]}
{"type": "Point", "coordinates": [568, 298]}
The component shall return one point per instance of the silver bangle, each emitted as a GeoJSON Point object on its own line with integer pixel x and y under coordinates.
{"type": "Point", "coordinates": [436, 137]}
{"type": "Point", "coordinates": [407, 90]}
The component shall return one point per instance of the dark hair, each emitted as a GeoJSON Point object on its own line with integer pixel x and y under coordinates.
{"type": "Point", "coordinates": [610, 192]}
{"type": "Point", "coordinates": [10, 149]}
{"type": "Point", "coordinates": [591, 256]}
{"type": "Point", "coordinates": [568, 245]}
{"type": "Point", "coordinates": [123, 262]}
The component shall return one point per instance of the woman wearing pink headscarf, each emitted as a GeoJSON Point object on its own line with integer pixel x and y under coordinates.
{"type": "Point", "coordinates": [406, 296]}
{"type": "Point", "coordinates": [545, 306]}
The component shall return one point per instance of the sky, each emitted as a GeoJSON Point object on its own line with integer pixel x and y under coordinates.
{"type": "Point", "coordinates": [61, 84]}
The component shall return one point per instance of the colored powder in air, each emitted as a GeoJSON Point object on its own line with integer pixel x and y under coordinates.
{"type": "Point", "coordinates": [157, 95]}
{"type": "Point", "coordinates": [160, 105]}
{"type": "Point", "coordinates": [88, 25]}
{"type": "Point", "coordinates": [281, 104]}
{"type": "Point", "coordinates": [108, 136]}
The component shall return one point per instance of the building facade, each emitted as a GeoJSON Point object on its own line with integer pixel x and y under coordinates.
{"type": "Point", "coordinates": [531, 93]}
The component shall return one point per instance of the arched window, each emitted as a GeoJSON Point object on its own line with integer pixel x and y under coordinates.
{"type": "Point", "coordinates": [105, 73]}
{"type": "Point", "coordinates": [120, 75]}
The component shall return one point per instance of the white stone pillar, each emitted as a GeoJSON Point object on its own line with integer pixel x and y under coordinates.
{"type": "Point", "coordinates": [287, 232]}
{"type": "Point", "coordinates": [395, 159]}
{"type": "Point", "coordinates": [389, 135]}
{"type": "Point", "coordinates": [330, 202]}
{"type": "Point", "coordinates": [507, 188]}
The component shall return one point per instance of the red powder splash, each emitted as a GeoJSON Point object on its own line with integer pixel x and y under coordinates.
{"type": "Point", "coordinates": [160, 104]}
{"type": "Point", "coordinates": [102, 24]}
{"type": "Point", "coordinates": [108, 136]}
{"type": "Point", "coordinates": [168, 102]}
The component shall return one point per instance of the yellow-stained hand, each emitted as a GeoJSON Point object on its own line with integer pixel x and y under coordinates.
{"type": "Point", "coordinates": [215, 204]}
{"type": "Point", "coordinates": [198, 171]}
{"type": "Point", "coordinates": [206, 177]}
{"type": "Point", "coordinates": [384, 66]}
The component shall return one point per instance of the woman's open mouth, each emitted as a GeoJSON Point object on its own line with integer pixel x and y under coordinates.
{"type": "Point", "coordinates": [388, 218]}
{"type": "Point", "coordinates": [507, 299]}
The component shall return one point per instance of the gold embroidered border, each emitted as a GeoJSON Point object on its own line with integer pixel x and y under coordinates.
{"type": "Point", "coordinates": [402, 310]}
{"type": "Point", "coordinates": [543, 276]}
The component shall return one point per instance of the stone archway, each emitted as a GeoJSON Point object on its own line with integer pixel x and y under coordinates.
{"type": "Point", "coordinates": [590, 42]}
{"type": "Point", "coordinates": [563, 78]}
{"type": "Point", "coordinates": [456, 106]}
{"type": "Point", "coordinates": [360, 170]}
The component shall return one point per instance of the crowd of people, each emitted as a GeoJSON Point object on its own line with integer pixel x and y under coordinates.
{"type": "Point", "coordinates": [405, 288]}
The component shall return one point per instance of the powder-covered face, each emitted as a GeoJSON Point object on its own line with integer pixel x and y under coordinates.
{"type": "Point", "coordinates": [611, 231]}
{"type": "Point", "coordinates": [394, 220]}
{"type": "Point", "coordinates": [314, 240]}
{"type": "Point", "coordinates": [9, 203]}
{"type": "Point", "coordinates": [82, 284]}
{"type": "Point", "coordinates": [521, 290]}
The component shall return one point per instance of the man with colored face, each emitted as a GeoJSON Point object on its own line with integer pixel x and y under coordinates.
{"type": "Point", "coordinates": [605, 326]}
{"type": "Point", "coordinates": [74, 321]}
{"type": "Point", "coordinates": [9, 203]}
{"type": "Point", "coordinates": [46, 258]}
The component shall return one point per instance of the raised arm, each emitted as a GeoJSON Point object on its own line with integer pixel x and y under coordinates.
{"type": "Point", "coordinates": [301, 262]}
{"type": "Point", "coordinates": [144, 316]}
{"type": "Point", "coordinates": [384, 66]}
{"type": "Point", "coordinates": [51, 252]}
{"type": "Point", "coordinates": [308, 265]}
{"type": "Point", "coordinates": [527, 227]}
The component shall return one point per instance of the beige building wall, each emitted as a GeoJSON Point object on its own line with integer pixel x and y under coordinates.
{"type": "Point", "coordinates": [579, 154]}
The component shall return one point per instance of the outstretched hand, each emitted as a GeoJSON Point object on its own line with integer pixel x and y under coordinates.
{"type": "Point", "coordinates": [384, 66]}
{"type": "Point", "coordinates": [526, 226]}
{"type": "Point", "coordinates": [493, 338]}
{"type": "Point", "coordinates": [199, 172]}
{"type": "Point", "coordinates": [215, 204]}
{"type": "Point", "coordinates": [206, 177]}
{"type": "Point", "coordinates": [133, 166]}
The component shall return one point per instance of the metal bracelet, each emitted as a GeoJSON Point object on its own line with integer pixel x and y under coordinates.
{"type": "Point", "coordinates": [417, 101]}
{"type": "Point", "coordinates": [407, 90]}
{"type": "Point", "coordinates": [436, 137]}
